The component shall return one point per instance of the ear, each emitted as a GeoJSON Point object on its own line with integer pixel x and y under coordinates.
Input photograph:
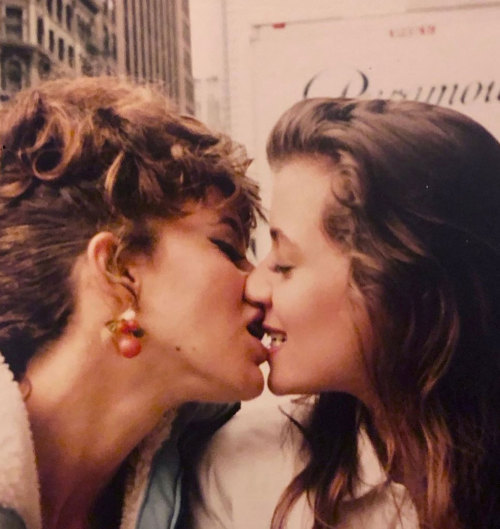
{"type": "Point", "coordinates": [101, 257]}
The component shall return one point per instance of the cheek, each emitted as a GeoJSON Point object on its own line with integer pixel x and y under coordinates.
{"type": "Point", "coordinates": [316, 311]}
{"type": "Point", "coordinates": [304, 297]}
{"type": "Point", "coordinates": [227, 278]}
{"type": "Point", "coordinates": [217, 287]}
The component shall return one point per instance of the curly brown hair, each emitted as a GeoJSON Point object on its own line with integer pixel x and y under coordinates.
{"type": "Point", "coordinates": [417, 208]}
{"type": "Point", "coordinates": [90, 154]}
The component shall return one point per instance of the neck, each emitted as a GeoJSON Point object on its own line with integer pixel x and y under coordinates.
{"type": "Point", "coordinates": [86, 416]}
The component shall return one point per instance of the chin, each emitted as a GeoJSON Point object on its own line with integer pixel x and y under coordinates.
{"type": "Point", "coordinates": [284, 386]}
{"type": "Point", "coordinates": [253, 390]}
{"type": "Point", "coordinates": [277, 386]}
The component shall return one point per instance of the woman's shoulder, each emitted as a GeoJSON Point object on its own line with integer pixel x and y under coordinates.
{"type": "Point", "coordinates": [260, 434]}
{"type": "Point", "coordinates": [247, 465]}
{"type": "Point", "coordinates": [252, 459]}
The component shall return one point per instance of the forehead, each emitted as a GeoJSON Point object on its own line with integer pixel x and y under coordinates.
{"type": "Point", "coordinates": [300, 191]}
{"type": "Point", "coordinates": [214, 210]}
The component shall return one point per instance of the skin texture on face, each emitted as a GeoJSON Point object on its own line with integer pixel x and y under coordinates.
{"type": "Point", "coordinates": [304, 284]}
{"type": "Point", "coordinates": [192, 307]}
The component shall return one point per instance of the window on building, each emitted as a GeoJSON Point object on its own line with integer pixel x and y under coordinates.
{"type": "Point", "coordinates": [69, 17]}
{"type": "Point", "coordinates": [186, 32]}
{"type": "Point", "coordinates": [79, 26]}
{"type": "Point", "coordinates": [187, 61]}
{"type": "Point", "coordinates": [105, 43]}
{"type": "Point", "coordinates": [39, 31]}
{"type": "Point", "coordinates": [189, 89]}
{"type": "Point", "coordinates": [59, 10]}
{"type": "Point", "coordinates": [60, 49]}
{"type": "Point", "coordinates": [86, 66]}
{"type": "Point", "coordinates": [71, 56]}
{"type": "Point", "coordinates": [84, 31]}
{"type": "Point", "coordinates": [14, 23]}
{"type": "Point", "coordinates": [128, 63]}
{"type": "Point", "coordinates": [49, 6]}
{"type": "Point", "coordinates": [113, 47]}
{"type": "Point", "coordinates": [13, 79]}
{"type": "Point", "coordinates": [44, 67]}
{"type": "Point", "coordinates": [51, 41]}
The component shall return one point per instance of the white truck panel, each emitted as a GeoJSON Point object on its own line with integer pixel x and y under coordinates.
{"type": "Point", "coordinates": [447, 57]}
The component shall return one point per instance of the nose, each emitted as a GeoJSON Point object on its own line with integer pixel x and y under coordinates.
{"type": "Point", "coordinates": [258, 288]}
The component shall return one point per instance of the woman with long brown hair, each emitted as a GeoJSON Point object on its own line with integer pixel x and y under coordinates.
{"type": "Point", "coordinates": [382, 296]}
{"type": "Point", "coordinates": [123, 231]}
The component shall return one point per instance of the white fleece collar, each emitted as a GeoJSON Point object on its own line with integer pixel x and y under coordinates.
{"type": "Point", "coordinates": [19, 486]}
{"type": "Point", "coordinates": [19, 483]}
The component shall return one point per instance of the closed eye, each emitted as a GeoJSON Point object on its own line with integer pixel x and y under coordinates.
{"type": "Point", "coordinates": [229, 250]}
{"type": "Point", "coordinates": [281, 269]}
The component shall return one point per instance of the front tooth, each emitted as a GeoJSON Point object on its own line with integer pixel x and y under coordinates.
{"type": "Point", "coordinates": [273, 338]}
{"type": "Point", "coordinates": [266, 340]}
{"type": "Point", "coordinates": [278, 338]}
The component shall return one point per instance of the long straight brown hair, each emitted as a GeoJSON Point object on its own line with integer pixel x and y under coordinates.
{"type": "Point", "coordinates": [418, 211]}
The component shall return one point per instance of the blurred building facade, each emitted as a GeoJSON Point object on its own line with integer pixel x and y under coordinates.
{"type": "Point", "coordinates": [208, 19]}
{"type": "Point", "coordinates": [154, 44]}
{"type": "Point", "coordinates": [41, 39]}
{"type": "Point", "coordinates": [209, 103]}
{"type": "Point", "coordinates": [148, 40]}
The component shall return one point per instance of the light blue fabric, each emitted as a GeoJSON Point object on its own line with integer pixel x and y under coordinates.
{"type": "Point", "coordinates": [161, 506]}
{"type": "Point", "coordinates": [164, 496]}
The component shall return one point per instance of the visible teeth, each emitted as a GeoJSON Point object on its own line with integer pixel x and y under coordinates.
{"type": "Point", "coordinates": [278, 338]}
{"type": "Point", "coordinates": [273, 338]}
{"type": "Point", "coordinates": [266, 340]}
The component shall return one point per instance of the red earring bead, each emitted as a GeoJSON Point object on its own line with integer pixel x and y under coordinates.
{"type": "Point", "coordinates": [129, 346]}
{"type": "Point", "coordinates": [126, 332]}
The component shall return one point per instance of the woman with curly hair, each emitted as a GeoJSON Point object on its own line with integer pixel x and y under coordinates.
{"type": "Point", "coordinates": [123, 232]}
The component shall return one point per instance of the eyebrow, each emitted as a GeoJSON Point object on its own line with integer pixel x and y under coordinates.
{"type": "Point", "coordinates": [233, 224]}
{"type": "Point", "coordinates": [278, 237]}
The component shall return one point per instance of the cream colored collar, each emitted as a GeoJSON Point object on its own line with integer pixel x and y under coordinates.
{"type": "Point", "coordinates": [19, 486]}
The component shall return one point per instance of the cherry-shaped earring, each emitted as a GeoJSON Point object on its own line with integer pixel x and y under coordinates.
{"type": "Point", "coordinates": [126, 334]}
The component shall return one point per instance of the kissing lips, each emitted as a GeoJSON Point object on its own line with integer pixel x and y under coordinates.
{"type": "Point", "coordinates": [256, 329]}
